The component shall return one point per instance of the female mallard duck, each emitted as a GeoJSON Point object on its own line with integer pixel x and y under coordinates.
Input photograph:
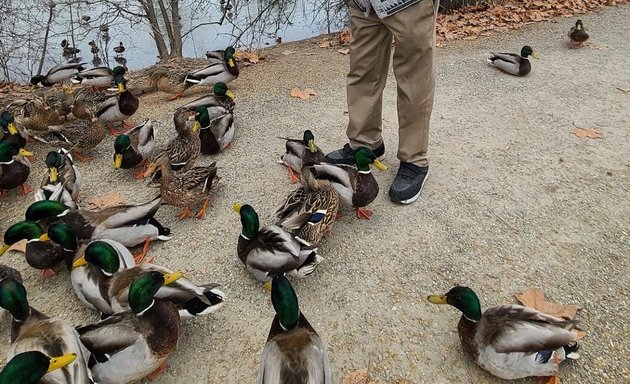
{"type": "Point", "coordinates": [78, 135]}
{"type": "Point", "coordinates": [37, 116]}
{"type": "Point", "coordinates": [120, 107]}
{"type": "Point", "coordinates": [58, 74]}
{"type": "Point", "coordinates": [128, 224]}
{"type": "Point", "coordinates": [310, 211]}
{"type": "Point", "coordinates": [34, 331]}
{"type": "Point", "coordinates": [577, 35]}
{"type": "Point", "coordinates": [357, 187]}
{"type": "Point", "coordinates": [134, 147]}
{"type": "Point", "coordinates": [44, 250]}
{"type": "Point", "coordinates": [62, 181]}
{"type": "Point", "coordinates": [222, 71]}
{"type": "Point", "coordinates": [271, 250]}
{"type": "Point", "coordinates": [510, 341]}
{"type": "Point", "coordinates": [99, 77]}
{"type": "Point", "coordinates": [301, 153]}
{"type": "Point", "coordinates": [517, 65]}
{"type": "Point", "coordinates": [187, 187]}
{"type": "Point", "coordinates": [294, 352]}
{"type": "Point", "coordinates": [29, 367]}
{"type": "Point", "coordinates": [183, 150]}
{"type": "Point", "coordinates": [131, 345]}
{"type": "Point", "coordinates": [169, 80]}
{"type": "Point", "coordinates": [87, 100]}
{"type": "Point", "coordinates": [101, 279]}
{"type": "Point", "coordinates": [14, 167]}
{"type": "Point", "coordinates": [10, 132]}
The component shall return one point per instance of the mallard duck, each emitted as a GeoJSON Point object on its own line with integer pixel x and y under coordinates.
{"type": "Point", "coordinates": [577, 35]}
{"type": "Point", "coordinates": [514, 64]}
{"type": "Point", "coordinates": [220, 102]}
{"type": "Point", "coordinates": [301, 153]}
{"type": "Point", "coordinates": [309, 211]}
{"type": "Point", "coordinates": [188, 187]}
{"type": "Point", "coordinates": [510, 341]}
{"type": "Point", "coordinates": [58, 74]}
{"type": "Point", "coordinates": [99, 77]}
{"type": "Point", "coordinates": [220, 71]}
{"type": "Point", "coordinates": [29, 367]}
{"type": "Point", "coordinates": [169, 80]}
{"type": "Point", "coordinates": [8, 272]}
{"type": "Point", "coordinates": [87, 101]}
{"type": "Point", "coordinates": [101, 279]}
{"type": "Point", "coordinates": [218, 54]}
{"type": "Point", "coordinates": [45, 250]}
{"type": "Point", "coordinates": [62, 181]}
{"type": "Point", "coordinates": [357, 187]}
{"type": "Point", "coordinates": [10, 132]}
{"type": "Point", "coordinates": [131, 345]}
{"type": "Point", "coordinates": [183, 150]}
{"type": "Point", "coordinates": [37, 116]}
{"type": "Point", "coordinates": [271, 250]}
{"type": "Point", "coordinates": [120, 107]}
{"type": "Point", "coordinates": [119, 49]}
{"type": "Point", "coordinates": [128, 224]}
{"type": "Point", "coordinates": [134, 147]}
{"type": "Point", "coordinates": [77, 135]}
{"type": "Point", "coordinates": [294, 352]}
{"type": "Point", "coordinates": [14, 168]}
{"type": "Point", "coordinates": [33, 331]}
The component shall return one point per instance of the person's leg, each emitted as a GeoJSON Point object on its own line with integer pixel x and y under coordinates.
{"type": "Point", "coordinates": [414, 31]}
{"type": "Point", "coordinates": [370, 49]}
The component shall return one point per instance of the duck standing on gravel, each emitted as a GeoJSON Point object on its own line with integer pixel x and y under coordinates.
{"type": "Point", "coordinates": [14, 167]}
{"type": "Point", "coordinates": [294, 352]}
{"type": "Point", "coordinates": [133, 147]}
{"type": "Point", "coordinates": [300, 153]}
{"type": "Point", "coordinates": [223, 71]}
{"type": "Point", "coordinates": [62, 181]}
{"type": "Point", "coordinates": [511, 341]}
{"type": "Point", "coordinates": [577, 35]}
{"type": "Point", "coordinates": [120, 107]}
{"type": "Point", "coordinates": [517, 65]}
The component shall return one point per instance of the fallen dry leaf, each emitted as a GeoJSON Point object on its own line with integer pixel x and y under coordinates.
{"type": "Point", "coordinates": [105, 201]}
{"type": "Point", "coordinates": [587, 133]}
{"type": "Point", "coordinates": [361, 376]}
{"type": "Point", "coordinates": [303, 94]}
{"type": "Point", "coordinates": [251, 56]}
{"type": "Point", "coordinates": [20, 246]}
{"type": "Point", "coordinates": [535, 298]}
{"type": "Point", "coordinates": [287, 52]}
{"type": "Point", "coordinates": [344, 37]}
{"type": "Point", "coordinates": [344, 51]}
{"type": "Point", "coordinates": [325, 44]}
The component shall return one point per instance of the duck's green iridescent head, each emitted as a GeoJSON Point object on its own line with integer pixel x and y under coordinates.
{"type": "Point", "coordinates": [13, 298]}
{"type": "Point", "coordinates": [119, 78]}
{"type": "Point", "coordinates": [202, 118]}
{"type": "Point", "coordinates": [221, 89]}
{"type": "Point", "coordinates": [24, 230]}
{"type": "Point", "coordinates": [143, 289]}
{"type": "Point", "coordinates": [285, 302]}
{"type": "Point", "coordinates": [30, 367]}
{"type": "Point", "coordinates": [54, 161]}
{"type": "Point", "coordinates": [45, 209]}
{"type": "Point", "coordinates": [528, 51]}
{"type": "Point", "coordinates": [101, 254]}
{"type": "Point", "coordinates": [8, 149]}
{"type": "Point", "coordinates": [121, 144]}
{"type": "Point", "coordinates": [37, 79]}
{"type": "Point", "coordinates": [64, 235]}
{"type": "Point", "coordinates": [462, 298]}
{"type": "Point", "coordinates": [249, 220]}
{"type": "Point", "coordinates": [7, 122]}
{"type": "Point", "coordinates": [364, 157]}
{"type": "Point", "coordinates": [229, 56]}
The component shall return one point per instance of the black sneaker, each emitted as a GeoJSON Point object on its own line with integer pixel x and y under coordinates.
{"type": "Point", "coordinates": [408, 183]}
{"type": "Point", "coordinates": [345, 155]}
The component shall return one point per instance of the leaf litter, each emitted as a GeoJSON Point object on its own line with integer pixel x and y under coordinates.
{"type": "Point", "coordinates": [109, 200]}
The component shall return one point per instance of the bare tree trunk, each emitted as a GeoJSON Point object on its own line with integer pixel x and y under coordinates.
{"type": "Point", "coordinates": [176, 40]}
{"type": "Point", "coordinates": [51, 6]}
{"type": "Point", "coordinates": [167, 22]}
{"type": "Point", "coordinates": [155, 28]}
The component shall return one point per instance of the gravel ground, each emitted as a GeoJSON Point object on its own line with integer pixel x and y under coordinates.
{"type": "Point", "coordinates": [514, 201]}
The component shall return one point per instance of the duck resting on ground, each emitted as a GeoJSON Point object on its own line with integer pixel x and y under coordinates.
{"type": "Point", "coordinates": [62, 181]}
{"type": "Point", "coordinates": [517, 65]}
{"type": "Point", "coordinates": [511, 341]}
{"type": "Point", "coordinates": [577, 35]}
{"type": "Point", "coordinates": [121, 107]}
{"type": "Point", "coordinates": [14, 168]}
{"type": "Point", "coordinates": [271, 250]}
{"type": "Point", "coordinates": [133, 147]}
{"type": "Point", "coordinates": [58, 74]}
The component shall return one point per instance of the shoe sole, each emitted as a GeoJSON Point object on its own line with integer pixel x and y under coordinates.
{"type": "Point", "coordinates": [417, 195]}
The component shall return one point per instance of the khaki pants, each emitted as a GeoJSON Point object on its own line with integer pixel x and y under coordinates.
{"type": "Point", "coordinates": [414, 31]}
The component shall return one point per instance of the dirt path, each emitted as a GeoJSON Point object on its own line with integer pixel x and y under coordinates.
{"type": "Point", "coordinates": [515, 200]}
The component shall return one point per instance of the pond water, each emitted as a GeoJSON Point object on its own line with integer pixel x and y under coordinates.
{"type": "Point", "coordinates": [247, 24]}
